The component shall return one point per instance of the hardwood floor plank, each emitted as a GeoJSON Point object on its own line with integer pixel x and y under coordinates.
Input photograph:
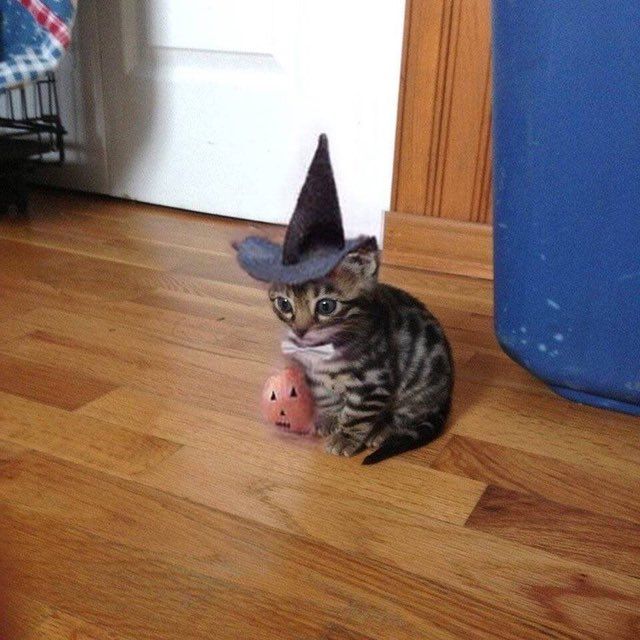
{"type": "Point", "coordinates": [221, 268]}
{"type": "Point", "coordinates": [246, 311]}
{"type": "Point", "coordinates": [162, 351]}
{"type": "Point", "coordinates": [222, 333]}
{"type": "Point", "coordinates": [590, 488]}
{"type": "Point", "coordinates": [218, 332]}
{"type": "Point", "coordinates": [22, 261]}
{"type": "Point", "coordinates": [484, 567]}
{"type": "Point", "coordinates": [552, 427]}
{"type": "Point", "coordinates": [161, 507]}
{"type": "Point", "coordinates": [225, 302]}
{"type": "Point", "coordinates": [186, 423]}
{"type": "Point", "coordinates": [198, 297]}
{"type": "Point", "coordinates": [366, 599]}
{"type": "Point", "coordinates": [181, 302]}
{"type": "Point", "coordinates": [86, 577]}
{"type": "Point", "coordinates": [99, 337]}
{"type": "Point", "coordinates": [20, 616]}
{"type": "Point", "coordinates": [79, 277]}
{"type": "Point", "coordinates": [80, 438]}
{"type": "Point", "coordinates": [123, 250]}
{"type": "Point", "coordinates": [252, 319]}
{"type": "Point", "coordinates": [119, 354]}
{"type": "Point", "coordinates": [13, 324]}
{"type": "Point", "coordinates": [131, 240]}
{"type": "Point", "coordinates": [112, 218]}
{"type": "Point", "coordinates": [103, 279]}
{"type": "Point", "coordinates": [567, 531]}
{"type": "Point", "coordinates": [61, 626]}
{"type": "Point", "coordinates": [11, 307]}
{"type": "Point", "coordinates": [266, 489]}
{"type": "Point", "coordinates": [49, 384]}
{"type": "Point", "coordinates": [223, 437]}
{"type": "Point", "coordinates": [219, 546]}
{"type": "Point", "coordinates": [497, 370]}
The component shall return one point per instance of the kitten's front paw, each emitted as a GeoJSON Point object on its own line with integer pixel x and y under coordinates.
{"type": "Point", "coordinates": [341, 445]}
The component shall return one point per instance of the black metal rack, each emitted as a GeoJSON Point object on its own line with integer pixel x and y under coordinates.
{"type": "Point", "coordinates": [31, 133]}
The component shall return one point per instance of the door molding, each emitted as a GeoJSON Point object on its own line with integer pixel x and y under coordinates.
{"type": "Point", "coordinates": [438, 244]}
{"type": "Point", "coordinates": [442, 192]}
{"type": "Point", "coordinates": [443, 142]}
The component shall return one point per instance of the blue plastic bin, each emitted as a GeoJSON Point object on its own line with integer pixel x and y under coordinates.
{"type": "Point", "coordinates": [566, 122]}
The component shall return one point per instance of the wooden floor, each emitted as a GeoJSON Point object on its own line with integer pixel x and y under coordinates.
{"type": "Point", "coordinates": [142, 498]}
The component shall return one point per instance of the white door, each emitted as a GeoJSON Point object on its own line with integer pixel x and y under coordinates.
{"type": "Point", "coordinates": [215, 105]}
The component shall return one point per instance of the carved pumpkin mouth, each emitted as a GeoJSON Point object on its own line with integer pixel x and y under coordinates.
{"type": "Point", "coordinates": [283, 424]}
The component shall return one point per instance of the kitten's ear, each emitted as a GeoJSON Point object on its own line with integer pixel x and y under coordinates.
{"type": "Point", "coordinates": [361, 264]}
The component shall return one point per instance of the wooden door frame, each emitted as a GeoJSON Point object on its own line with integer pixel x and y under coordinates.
{"type": "Point", "coordinates": [440, 215]}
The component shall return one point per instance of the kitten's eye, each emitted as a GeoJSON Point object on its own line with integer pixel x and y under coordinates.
{"type": "Point", "coordinates": [326, 306]}
{"type": "Point", "coordinates": [283, 305]}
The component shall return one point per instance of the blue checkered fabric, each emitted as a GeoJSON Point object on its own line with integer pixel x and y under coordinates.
{"type": "Point", "coordinates": [28, 50]}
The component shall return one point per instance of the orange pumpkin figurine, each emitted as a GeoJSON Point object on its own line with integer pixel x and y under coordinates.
{"type": "Point", "coordinates": [287, 401]}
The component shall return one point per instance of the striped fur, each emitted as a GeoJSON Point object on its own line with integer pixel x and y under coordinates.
{"type": "Point", "coordinates": [387, 386]}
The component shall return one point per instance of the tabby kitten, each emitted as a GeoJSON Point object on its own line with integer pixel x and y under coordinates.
{"type": "Point", "coordinates": [377, 362]}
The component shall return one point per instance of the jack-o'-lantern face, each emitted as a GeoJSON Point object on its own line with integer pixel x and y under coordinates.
{"type": "Point", "coordinates": [287, 401]}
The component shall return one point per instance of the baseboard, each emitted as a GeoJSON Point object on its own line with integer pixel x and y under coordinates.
{"type": "Point", "coordinates": [438, 244]}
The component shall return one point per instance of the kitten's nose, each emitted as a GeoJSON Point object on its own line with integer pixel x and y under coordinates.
{"type": "Point", "coordinates": [300, 331]}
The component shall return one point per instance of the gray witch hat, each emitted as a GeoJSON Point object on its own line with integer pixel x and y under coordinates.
{"type": "Point", "coordinates": [314, 242]}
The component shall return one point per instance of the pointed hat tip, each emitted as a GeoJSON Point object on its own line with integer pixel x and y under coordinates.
{"type": "Point", "coordinates": [323, 141]}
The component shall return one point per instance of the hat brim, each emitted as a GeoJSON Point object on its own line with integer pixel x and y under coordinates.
{"type": "Point", "coordinates": [262, 260]}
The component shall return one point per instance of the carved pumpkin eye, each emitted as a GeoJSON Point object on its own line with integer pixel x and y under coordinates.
{"type": "Point", "coordinates": [273, 396]}
{"type": "Point", "coordinates": [294, 393]}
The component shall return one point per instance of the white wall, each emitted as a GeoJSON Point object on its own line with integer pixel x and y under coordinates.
{"type": "Point", "coordinates": [349, 78]}
{"type": "Point", "coordinates": [341, 62]}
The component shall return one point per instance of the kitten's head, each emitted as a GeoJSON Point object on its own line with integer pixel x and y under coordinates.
{"type": "Point", "coordinates": [316, 310]}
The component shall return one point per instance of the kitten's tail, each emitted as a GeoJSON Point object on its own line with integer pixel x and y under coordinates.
{"type": "Point", "coordinates": [427, 431]}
